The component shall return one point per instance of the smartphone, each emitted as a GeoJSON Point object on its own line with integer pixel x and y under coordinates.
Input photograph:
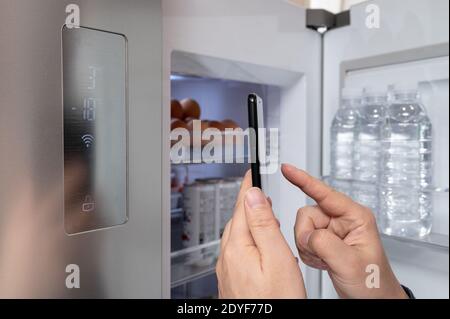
{"type": "Point", "coordinates": [255, 121]}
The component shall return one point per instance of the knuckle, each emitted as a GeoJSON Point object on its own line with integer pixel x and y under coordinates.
{"type": "Point", "coordinates": [317, 236]}
{"type": "Point", "coordinates": [319, 239]}
{"type": "Point", "coordinates": [305, 210]}
{"type": "Point", "coordinates": [368, 216]}
{"type": "Point", "coordinates": [262, 218]}
{"type": "Point", "coordinates": [264, 221]}
{"type": "Point", "coordinates": [300, 244]}
{"type": "Point", "coordinates": [371, 220]}
{"type": "Point", "coordinates": [298, 233]}
{"type": "Point", "coordinates": [301, 211]}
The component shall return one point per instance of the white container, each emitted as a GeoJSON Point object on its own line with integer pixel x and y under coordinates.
{"type": "Point", "coordinates": [227, 192]}
{"type": "Point", "coordinates": [199, 202]}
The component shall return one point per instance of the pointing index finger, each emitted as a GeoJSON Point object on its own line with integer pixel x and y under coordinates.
{"type": "Point", "coordinates": [330, 201]}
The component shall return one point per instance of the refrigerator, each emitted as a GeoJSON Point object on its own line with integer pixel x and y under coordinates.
{"type": "Point", "coordinates": [93, 203]}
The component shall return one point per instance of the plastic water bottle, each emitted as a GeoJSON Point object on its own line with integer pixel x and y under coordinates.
{"type": "Point", "coordinates": [367, 150]}
{"type": "Point", "coordinates": [407, 166]}
{"type": "Point", "coordinates": [342, 140]}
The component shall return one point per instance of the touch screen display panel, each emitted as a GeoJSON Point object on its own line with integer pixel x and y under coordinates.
{"type": "Point", "coordinates": [95, 129]}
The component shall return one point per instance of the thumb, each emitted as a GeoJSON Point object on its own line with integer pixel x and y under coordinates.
{"type": "Point", "coordinates": [263, 225]}
{"type": "Point", "coordinates": [329, 247]}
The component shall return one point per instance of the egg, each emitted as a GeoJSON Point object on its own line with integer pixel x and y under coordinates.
{"type": "Point", "coordinates": [191, 108]}
{"type": "Point", "coordinates": [176, 110]}
{"type": "Point", "coordinates": [177, 123]}
{"type": "Point", "coordinates": [217, 125]}
{"type": "Point", "coordinates": [230, 124]}
{"type": "Point", "coordinates": [190, 124]}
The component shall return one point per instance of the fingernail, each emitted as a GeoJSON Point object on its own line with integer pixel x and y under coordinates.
{"type": "Point", "coordinates": [255, 198]}
{"type": "Point", "coordinates": [305, 239]}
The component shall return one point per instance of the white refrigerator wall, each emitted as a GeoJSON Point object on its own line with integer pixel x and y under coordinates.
{"type": "Point", "coordinates": [407, 29]}
{"type": "Point", "coordinates": [263, 42]}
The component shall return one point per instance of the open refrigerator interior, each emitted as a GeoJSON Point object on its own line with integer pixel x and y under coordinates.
{"type": "Point", "coordinates": [193, 264]}
{"type": "Point", "coordinates": [301, 88]}
{"type": "Point", "coordinates": [203, 193]}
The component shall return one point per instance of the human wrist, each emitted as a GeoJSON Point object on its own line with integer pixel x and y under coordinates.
{"type": "Point", "coordinates": [396, 291]}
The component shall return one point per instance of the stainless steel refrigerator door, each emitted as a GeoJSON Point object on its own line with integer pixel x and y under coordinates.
{"type": "Point", "coordinates": [37, 257]}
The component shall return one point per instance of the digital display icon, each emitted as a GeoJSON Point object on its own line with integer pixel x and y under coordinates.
{"type": "Point", "coordinates": [88, 205]}
{"type": "Point", "coordinates": [89, 108]}
{"type": "Point", "coordinates": [88, 140]}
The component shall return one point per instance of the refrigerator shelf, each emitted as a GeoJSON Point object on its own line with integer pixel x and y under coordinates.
{"type": "Point", "coordinates": [433, 241]}
{"type": "Point", "coordinates": [432, 189]}
{"type": "Point", "coordinates": [176, 213]}
{"type": "Point", "coordinates": [193, 263]}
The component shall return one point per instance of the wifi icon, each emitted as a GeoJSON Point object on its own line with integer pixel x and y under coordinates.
{"type": "Point", "coordinates": [88, 140]}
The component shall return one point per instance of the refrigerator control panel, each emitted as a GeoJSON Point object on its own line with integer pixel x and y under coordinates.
{"type": "Point", "coordinates": [95, 129]}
